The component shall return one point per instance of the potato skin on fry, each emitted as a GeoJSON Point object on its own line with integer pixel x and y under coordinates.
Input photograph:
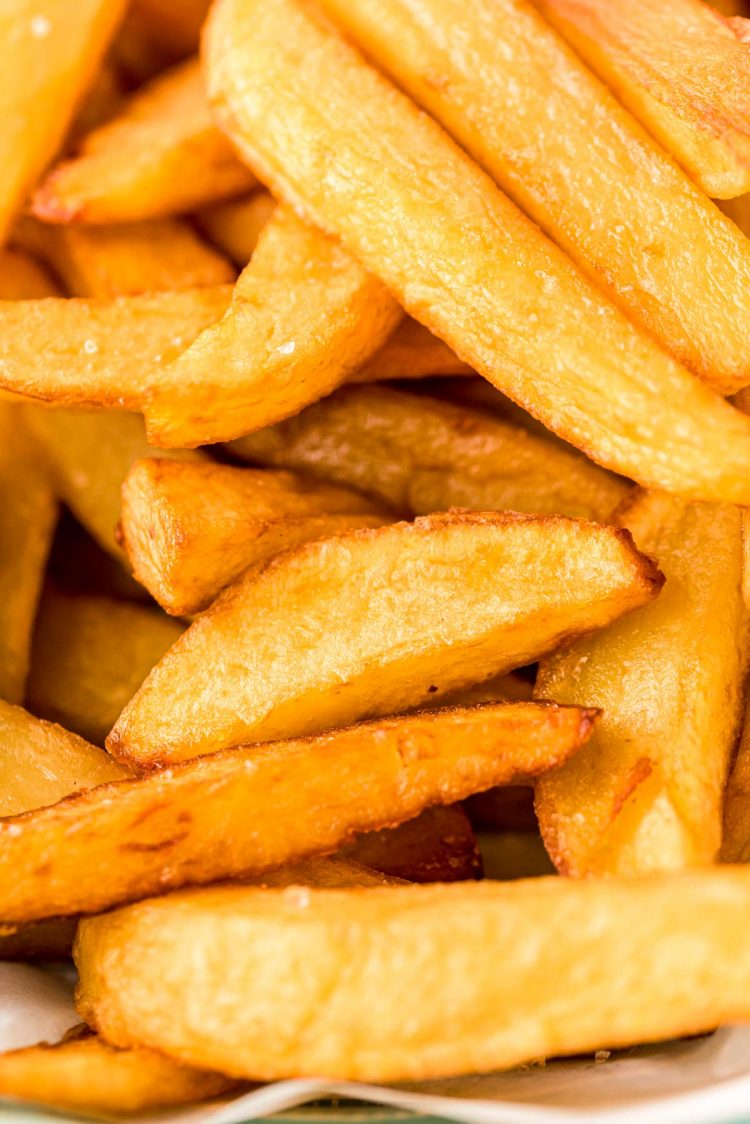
{"type": "Point", "coordinates": [311, 982]}
{"type": "Point", "coordinates": [646, 794]}
{"type": "Point", "coordinates": [457, 254]}
{"type": "Point", "coordinates": [191, 528]}
{"type": "Point", "coordinates": [251, 810]}
{"type": "Point", "coordinates": [372, 622]}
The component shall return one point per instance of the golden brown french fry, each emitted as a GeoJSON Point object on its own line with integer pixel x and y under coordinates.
{"type": "Point", "coordinates": [735, 845]}
{"type": "Point", "coordinates": [532, 115]}
{"type": "Point", "coordinates": [411, 352]}
{"type": "Point", "coordinates": [235, 225]}
{"type": "Point", "coordinates": [372, 622]}
{"type": "Point", "coordinates": [695, 102]}
{"type": "Point", "coordinates": [39, 940]}
{"type": "Point", "coordinates": [457, 253]}
{"type": "Point", "coordinates": [89, 455]}
{"type": "Point", "coordinates": [21, 276]}
{"type": "Point", "coordinates": [85, 1073]}
{"type": "Point", "coordinates": [191, 528]}
{"type": "Point", "coordinates": [89, 657]}
{"type": "Point", "coordinates": [304, 316]}
{"type": "Point", "coordinates": [40, 762]}
{"type": "Point", "coordinates": [113, 261]}
{"type": "Point", "coordinates": [632, 961]}
{"type": "Point", "coordinates": [646, 794]}
{"type": "Point", "coordinates": [327, 872]}
{"type": "Point", "coordinates": [28, 513]}
{"type": "Point", "coordinates": [421, 455]}
{"type": "Point", "coordinates": [53, 52]}
{"type": "Point", "coordinates": [75, 351]}
{"type": "Point", "coordinates": [503, 688]}
{"type": "Point", "coordinates": [437, 846]}
{"type": "Point", "coordinates": [160, 155]}
{"type": "Point", "coordinates": [250, 810]}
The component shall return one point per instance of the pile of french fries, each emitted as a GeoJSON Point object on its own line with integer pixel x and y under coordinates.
{"type": "Point", "coordinates": [374, 451]}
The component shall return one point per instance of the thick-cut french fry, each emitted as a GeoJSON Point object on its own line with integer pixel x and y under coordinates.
{"type": "Point", "coordinates": [114, 261]}
{"type": "Point", "coordinates": [191, 528]}
{"type": "Point", "coordinates": [646, 794]}
{"type": "Point", "coordinates": [373, 622]}
{"type": "Point", "coordinates": [53, 51]}
{"type": "Point", "coordinates": [411, 353]}
{"type": "Point", "coordinates": [89, 454]}
{"type": "Point", "coordinates": [735, 845]}
{"type": "Point", "coordinates": [421, 455]}
{"type": "Point", "coordinates": [161, 155]}
{"type": "Point", "coordinates": [21, 276]}
{"type": "Point", "coordinates": [251, 810]}
{"type": "Point", "coordinates": [39, 940]}
{"type": "Point", "coordinates": [517, 972]}
{"type": "Point", "coordinates": [696, 102]}
{"type": "Point", "coordinates": [326, 872]}
{"type": "Point", "coordinates": [85, 352]}
{"type": "Point", "coordinates": [533, 115]}
{"type": "Point", "coordinates": [235, 225]}
{"type": "Point", "coordinates": [90, 656]}
{"type": "Point", "coordinates": [40, 763]}
{"type": "Point", "coordinates": [85, 1073]}
{"type": "Point", "coordinates": [438, 846]}
{"type": "Point", "coordinates": [304, 316]}
{"type": "Point", "coordinates": [28, 513]}
{"type": "Point", "coordinates": [457, 253]}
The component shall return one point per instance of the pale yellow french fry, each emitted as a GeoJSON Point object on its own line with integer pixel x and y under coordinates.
{"type": "Point", "coordinates": [419, 455]}
{"type": "Point", "coordinates": [532, 115]}
{"type": "Point", "coordinates": [374, 622]}
{"type": "Point", "coordinates": [90, 656]}
{"type": "Point", "coordinates": [160, 155]}
{"type": "Point", "coordinates": [190, 528]}
{"type": "Point", "coordinates": [304, 316]}
{"type": "Point", "coordinates": [646, 794]}
{"type": "Point", "coordinates": [53, 52]}
{"type": "Point", "coordinates": [457, 253]}
{"type": "Point", "coordinates": [113, 261]}
{"type": "Point", "coordinates": [493, 975]}
{"type": "Point", "coordinates": [695, 102]}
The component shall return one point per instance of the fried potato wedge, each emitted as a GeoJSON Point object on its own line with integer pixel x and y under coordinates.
{"type": "Point", "coordinates": [191, 528]}
{"type": "Point", "coordinates": [39, 940]}
{"type": "Point", "coordinates": [28, 514]}
{"type": "Point", "coordinates": [21, 276]}
{"type": "Point", "coordinates": [160, 156]}
{"type": "Point", "coordinates": [695, 102]}
{"type": "Point", "coordinates": [90, 656]}
{"type": "Point", "coordinates": [40, 763]}
{"type": "Point", "coordinates": [235, 225]}
{"type": "Point", "coordinates": [646, 794]}
{"type": "Point", "coordinates": [304, 316]}
{"type": "Point", "coordinates": [632, 960]}
{"type": "Point", "coordinates": [250, 810]}
{"type": "Point", "coordinates": [421, 455]}
{"type": "Point", "coordinates": [115, 261]}
{"type": "Point", "coordinates": [458, 255]}
{"type": "Point", "coordinates": [90, 454]}
{"type": "Point", "coordinates": [84, 1073]}
{"type": "Point", "coordinates": [376, 621]}
{"type": "Point", "coordinates": [74, 351]}
{"type": "Point", "coordinates": [53, 53]}
{"type": "Point", "coordinates": [532, 115]}
{"type": "Point", "coordinates": [437, 846]}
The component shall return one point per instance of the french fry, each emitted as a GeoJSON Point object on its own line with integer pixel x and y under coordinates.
{"type": "Point", "coordinates": [735, 845]}
{"type": "Point", "coordinates": [53, 53]}
{"type": "Point", "coordinates": [458, 255]}
{"type": "Point", "coordinates": [40, 763]}
{"type": "Point", "coordinates": [89, 455]}
{"type": "Point", "coordinates": [695, 102]}
{"type": "Point", "coordinates": [79, 677]}
{"type": "Point", "coordinates": [531, 115]}
{"type": "Point", "coordinates": [373, 622]}
{"type": "Point", "coordinates": [77, 351]}
{"type": "Point", "coordinates": [330, 872]}
{"type": "Point", "coordinates": [251, 810]}
{"type": "Point", "coordinates": [304, 316]}
{"type": "Point", "coordinates": [21, 276]}
{"type": "Point", "coordinates": [84, 1073]}
{"type": "Point", "coordinates": [191, 528]}
{"type": "Point", "coordinates": [646, 794]}
{"type": "Point", "coordinates": [161, 155]}
{"type": "Point", "coordinates": [113, 261]}
{"type": "Point", "coordinates": [636, 960]}
{"type": "Point", "coordinates": [421, 455]}
{"type": "Point", "coordinates": [235, 225]}
{"type": "Point", "coordinates": [437, 846]}
{"type": "Point", "coordinates": [28, 513]}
